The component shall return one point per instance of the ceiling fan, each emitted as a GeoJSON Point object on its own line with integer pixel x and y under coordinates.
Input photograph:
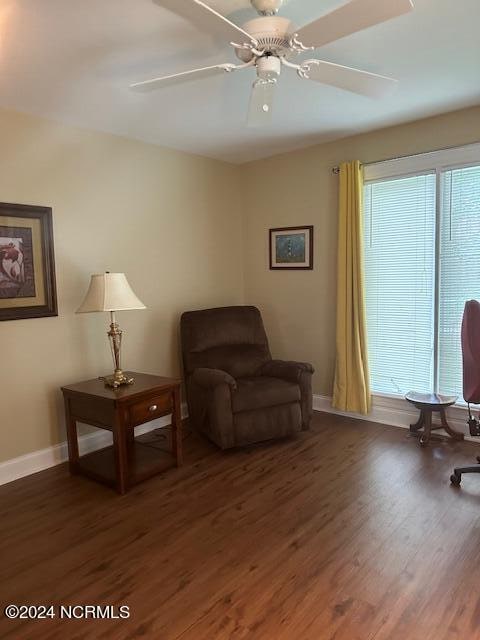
{"type": "Point", "coordinates": [271, 42]}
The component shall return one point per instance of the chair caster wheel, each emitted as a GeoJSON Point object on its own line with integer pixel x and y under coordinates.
{"type": "Point", "coordinates": [455, 480]}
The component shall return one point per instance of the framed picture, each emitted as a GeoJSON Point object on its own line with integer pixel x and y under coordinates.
{"type": "Point", "coordinates": [291, 248]}
{"type": "Point", "coordinates": [27, 265]}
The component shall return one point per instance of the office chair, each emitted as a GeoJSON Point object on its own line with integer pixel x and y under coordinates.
{"type": "Point", "coordinates": [471, 376]}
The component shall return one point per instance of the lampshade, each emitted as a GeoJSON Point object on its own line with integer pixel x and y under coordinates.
{"type": "Point", "coordinates": [109, 292]}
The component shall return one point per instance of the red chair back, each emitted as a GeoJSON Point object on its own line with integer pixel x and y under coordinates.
{"type": "Point", "coordinates": [471, 352]}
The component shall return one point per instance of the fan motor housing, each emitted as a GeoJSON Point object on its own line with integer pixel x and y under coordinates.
{"type": "Point", "coordinates": [272, 34]}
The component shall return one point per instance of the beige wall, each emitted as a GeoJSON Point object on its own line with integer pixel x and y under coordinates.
{"type": "Point", "coordinates": [299, 189]}
{"type": "Point", "coordinates": [170, 221]}
{"type": "Point", "coordinates": [173, 222]}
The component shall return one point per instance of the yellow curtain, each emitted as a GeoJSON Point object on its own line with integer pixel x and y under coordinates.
{"type": "Point", "coordinates": [352, 384]}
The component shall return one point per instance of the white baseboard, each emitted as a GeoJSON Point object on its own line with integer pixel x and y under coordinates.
{"type": "Point", "coordinates": [392, 411]}
{"type": "Point", "coordinates": [51, 456]}
{"type": "Point", "coordinates": [397, 412]}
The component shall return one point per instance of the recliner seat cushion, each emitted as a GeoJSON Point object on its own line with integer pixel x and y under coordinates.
{"type": "Point", "coordinates": [260, 392]}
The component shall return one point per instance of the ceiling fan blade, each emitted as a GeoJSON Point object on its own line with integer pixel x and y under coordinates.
{"type": "Point", "coordinates": [261, 102]}
{"type": "Point", "coordinates": [206, 18]}
{"type": "Point", "coordinates": [354, 80]}
{"type": "Point", "coordinates": [350, 18]}
{"type": "Point", "coordinates": [178, 78]}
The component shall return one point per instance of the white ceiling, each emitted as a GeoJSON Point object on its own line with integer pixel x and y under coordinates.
{"type": "Point", "coordinates": [73, 60]}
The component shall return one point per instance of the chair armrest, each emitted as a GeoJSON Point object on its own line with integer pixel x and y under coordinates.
{"type": "Point", "coordinates": [211, 378]}
{"type": "Point", "coordinates": [285, 369]}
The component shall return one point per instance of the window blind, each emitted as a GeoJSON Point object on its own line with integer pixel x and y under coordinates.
{"type": "Point", "coordinates": [399, 239]}
{"type": "Point", "coordinates": [459, 276]}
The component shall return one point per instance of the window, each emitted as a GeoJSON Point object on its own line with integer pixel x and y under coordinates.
{"type": "Point", "coordinates": [400, 275]}
{"type": "Point", "coordinates": [459, 268]}
{"type": "Point", "coordinates": [422, 262]}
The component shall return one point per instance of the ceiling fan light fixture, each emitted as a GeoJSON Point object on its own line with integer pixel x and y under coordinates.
{"type": "Point", "coordinates": [268, 67]}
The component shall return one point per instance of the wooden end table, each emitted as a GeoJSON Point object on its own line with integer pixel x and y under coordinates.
{"type": "Point", "coordinates": [429, 403]}
{"type": "Point", "coordinates": [120, 410]}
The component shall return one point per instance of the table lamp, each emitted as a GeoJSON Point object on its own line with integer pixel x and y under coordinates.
{"type": "Point", "coordinates": [111, 292]}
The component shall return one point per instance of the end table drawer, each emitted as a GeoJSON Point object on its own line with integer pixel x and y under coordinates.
{"type": "Point", "coordinates": [150, 409]}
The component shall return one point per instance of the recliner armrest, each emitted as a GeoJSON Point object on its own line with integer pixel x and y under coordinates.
{"type": "Point", "coordinates": [286, 370]}
{"type": "Point", "coordinates": [211, 378]}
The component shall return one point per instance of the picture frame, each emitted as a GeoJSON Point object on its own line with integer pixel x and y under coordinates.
{"type": "Point", "coordinates": [27, 262]}
{"type": "Point", "coordinates": [291, 248]}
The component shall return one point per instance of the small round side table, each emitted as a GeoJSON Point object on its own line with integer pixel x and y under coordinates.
{"type": "Point", "coordinates": [429, 403]}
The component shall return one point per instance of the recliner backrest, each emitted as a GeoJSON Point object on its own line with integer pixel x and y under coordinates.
{"type": "Point", "coordinates": [232, 339]}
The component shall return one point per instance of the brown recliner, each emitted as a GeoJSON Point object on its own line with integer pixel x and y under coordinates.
{"type": "Point", "coordinates": [236, 393]}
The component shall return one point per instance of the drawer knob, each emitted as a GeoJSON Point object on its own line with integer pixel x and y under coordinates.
{"type": "Point", "coordinates": [153, 408]}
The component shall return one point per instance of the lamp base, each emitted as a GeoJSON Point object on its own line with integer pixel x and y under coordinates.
{"type": "Point", "coordinates": [117, 380]}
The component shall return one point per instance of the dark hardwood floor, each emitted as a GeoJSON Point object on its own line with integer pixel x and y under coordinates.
{"type": "Point", "coordinates": [349, 532]}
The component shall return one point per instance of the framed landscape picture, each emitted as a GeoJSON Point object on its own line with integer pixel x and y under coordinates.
{"type": "Point", "coordinates": [291, 248]}
{"type": "Point", "coordinates": [27, 266]}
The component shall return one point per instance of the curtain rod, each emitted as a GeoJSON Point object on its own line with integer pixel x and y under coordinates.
{"type": "Point", "coordinates": [336, 170]}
